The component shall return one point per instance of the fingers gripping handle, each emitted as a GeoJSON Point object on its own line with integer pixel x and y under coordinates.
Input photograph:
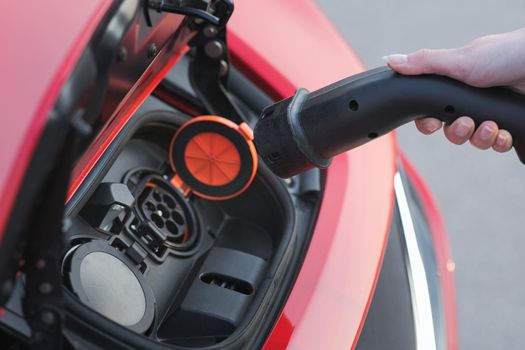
{"type": "Point", "coordinates": [306, 130]}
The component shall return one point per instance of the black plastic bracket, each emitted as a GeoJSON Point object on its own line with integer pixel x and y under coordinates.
{"type": "Point", "coordinates": [111, 201]}
{"type": "Point", "coordinates": [209, 68]}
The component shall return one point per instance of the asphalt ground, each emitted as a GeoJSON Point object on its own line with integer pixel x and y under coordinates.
{"type": "Point", "coordinates": [480, 193]}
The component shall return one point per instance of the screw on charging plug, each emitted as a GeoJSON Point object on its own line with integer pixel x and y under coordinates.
{"type": "Point", "coordinates": [40, 264]}
{"type": "Point", "coordinates": [48, 318]}
{"type": "Point", "coordinates": [223, 68]}
{"type": "Point", "coordinates": [152, 50]}
{"type": "Point", "coordinates": [209, 31]}
{"type": "Point", "coordinates": [45, 288]}
{"type": "Point", "coordinates": [214, 49]}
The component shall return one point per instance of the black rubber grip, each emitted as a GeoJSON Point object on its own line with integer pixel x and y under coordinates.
{"type": "Point", "coordinates": [306, 130]}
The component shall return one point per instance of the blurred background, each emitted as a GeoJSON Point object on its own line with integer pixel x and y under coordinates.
{"type": "Point", "coordinates": [481, 194]}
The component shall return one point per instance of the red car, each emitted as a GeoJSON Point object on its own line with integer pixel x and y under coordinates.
{"type": "Point", "coordinates": [354, 256]}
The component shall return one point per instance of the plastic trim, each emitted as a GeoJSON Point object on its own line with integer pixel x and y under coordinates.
{"type": "Point", "coordinates": [421, 304]}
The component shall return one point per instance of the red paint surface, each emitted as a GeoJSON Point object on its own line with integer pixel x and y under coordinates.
{"type": "Point", "coordinates": [281, 45]}
{"type": "Point", "coordinates": [284, 45]}
{"type": "Point", "coordinates": [41, 43]}
{"type": "Point", "coordinates": [442, 249]}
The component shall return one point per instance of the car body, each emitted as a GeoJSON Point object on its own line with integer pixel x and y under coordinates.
{"type": "Point", "coordinates": [279, 46]}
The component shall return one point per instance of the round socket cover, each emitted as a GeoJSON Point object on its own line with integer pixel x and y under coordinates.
{"type": "Point", "coordinates": [214, 157]}
{"type": "Point", "coordinates": [104, 279]}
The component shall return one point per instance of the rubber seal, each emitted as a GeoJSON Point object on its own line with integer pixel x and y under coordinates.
{"type": "Point", "coordinates": [298, 133]}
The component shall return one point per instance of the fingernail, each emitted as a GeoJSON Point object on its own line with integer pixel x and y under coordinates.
{"type": "Point", "coordinates": [463, 128]}
{"type": "Point", "coordinates": [501, 140]}
{"type": "Point", "coordinates": [395, 60]}
{"type": "Point", "coordinates": [486, 133]}
{"type": "Point", "coordinates": [431, 125]}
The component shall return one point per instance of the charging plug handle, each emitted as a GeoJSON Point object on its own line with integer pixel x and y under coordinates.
{"type": "Point", "coordinates": [308, 129]}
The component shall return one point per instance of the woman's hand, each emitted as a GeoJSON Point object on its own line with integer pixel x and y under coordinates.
{"type": "Point", "coordinates": [495, 60]}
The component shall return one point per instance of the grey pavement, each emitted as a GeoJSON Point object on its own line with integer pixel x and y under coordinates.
{"type": "Point", "coordinates": [481, 194]}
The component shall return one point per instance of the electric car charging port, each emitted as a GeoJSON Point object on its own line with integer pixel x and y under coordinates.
{"type": "Point", "coordinates": [165, 263]}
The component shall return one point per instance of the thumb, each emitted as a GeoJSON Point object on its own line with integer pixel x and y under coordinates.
{"type": "Point", "coordinates": [448, 62]}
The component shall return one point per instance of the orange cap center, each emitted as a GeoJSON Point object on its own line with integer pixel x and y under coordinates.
{"type": "Point", "coordinates": [212, 159]}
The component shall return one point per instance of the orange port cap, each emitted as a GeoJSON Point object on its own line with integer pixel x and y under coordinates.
{"type": "Point", "coordinates": [214, 157]}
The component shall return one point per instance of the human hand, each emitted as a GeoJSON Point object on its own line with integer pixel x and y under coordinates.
{"type": "Point", "coordinates": [495, 60]}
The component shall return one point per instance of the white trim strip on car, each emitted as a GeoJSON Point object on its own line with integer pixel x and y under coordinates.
{"type": "Point", "coordinates": [421, 305]}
